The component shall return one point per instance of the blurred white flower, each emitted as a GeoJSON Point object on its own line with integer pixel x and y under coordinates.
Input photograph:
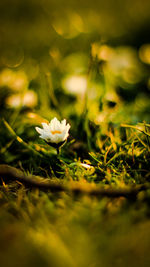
{"type": "Point", "coordinates": [75, 84]}
{"type": "Point", "coordinates": [6, 77]}
{"type": "Point", "coordinates": [55, 133]}
{"type": "Point", "coordinates": [29, 99]}
{"type": "Point", "coordinates": [15, 80]}
{"type": "Point", "coordinates": [19, 81]}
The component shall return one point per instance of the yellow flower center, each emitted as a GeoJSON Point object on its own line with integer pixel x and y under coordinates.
{"type": "Point", "coordinates": [55, 132]}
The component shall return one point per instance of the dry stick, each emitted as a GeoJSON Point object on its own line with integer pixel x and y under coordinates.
{"type": "Point", "coordinates": [32, 181]}
{"type": "Point", "coordinates": [11, 173]}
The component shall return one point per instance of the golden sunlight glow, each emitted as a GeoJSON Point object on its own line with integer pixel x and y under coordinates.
{"type": "Point", "coordinates": [131, 75]}
{"type": "Point", "coordinates": [144, 53]}
{"type": "Point", "coordinates": [69, 26]}
{"type": "Point", "coordinates": [15, 80]}
{"type": "Point", "coordinates": [29, 99]}
{"type": "Point", "coordinates": [35, 118]}
{"type": "Point", "coordinates": [75, 84]}
{"type": "Point", "coordinates": [6, 77]}
{"type": "Point", "coordinates": [19, 139]}
{"type": "Point", "coordinates": [19, 81]}
{"type": "Point", "coordinates": [102, 52]}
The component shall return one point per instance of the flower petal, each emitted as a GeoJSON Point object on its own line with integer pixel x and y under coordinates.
{"type": "Point", "coordinates": [39, 130]}
{"type": "Point", "coordinates": [45, 126]}
{"type": "Point", "coordinates": [68, 127]}
{"type": "Point", "coordinates": [53, 124]}
{"type": "Point", "coordinates": [63, 122]}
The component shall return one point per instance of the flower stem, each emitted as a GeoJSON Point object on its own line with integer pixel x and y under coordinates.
{"type": "Point", "coordinates": [58, 150]}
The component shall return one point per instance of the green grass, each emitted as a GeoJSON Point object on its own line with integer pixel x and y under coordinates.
{"type": "Point", "coordinates": [96, 76]}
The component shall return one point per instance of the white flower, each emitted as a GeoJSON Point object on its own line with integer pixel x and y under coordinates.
{"type": "Point", "coordinates": [55, 132]}
{"type": "Point", "coordinates": [29, 99]}
{"type": "Point", "coordinates": [75, 84]}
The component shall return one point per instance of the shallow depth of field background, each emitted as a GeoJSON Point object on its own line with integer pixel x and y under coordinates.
{"type": "Point", "coordinates": [88, 62]}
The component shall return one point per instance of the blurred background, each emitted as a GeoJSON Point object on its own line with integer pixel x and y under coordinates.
{"type": "Point", "coordinates": [88, 62]}
{"type": "Point", "coordinates": [54, 53]}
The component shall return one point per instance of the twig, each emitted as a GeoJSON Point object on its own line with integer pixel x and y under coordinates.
{"type": "Point", "coordinates": [10, 173]}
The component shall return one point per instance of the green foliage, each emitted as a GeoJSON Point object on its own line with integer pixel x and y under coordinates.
{"type": "Point", "coordinates": [81, 63]}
